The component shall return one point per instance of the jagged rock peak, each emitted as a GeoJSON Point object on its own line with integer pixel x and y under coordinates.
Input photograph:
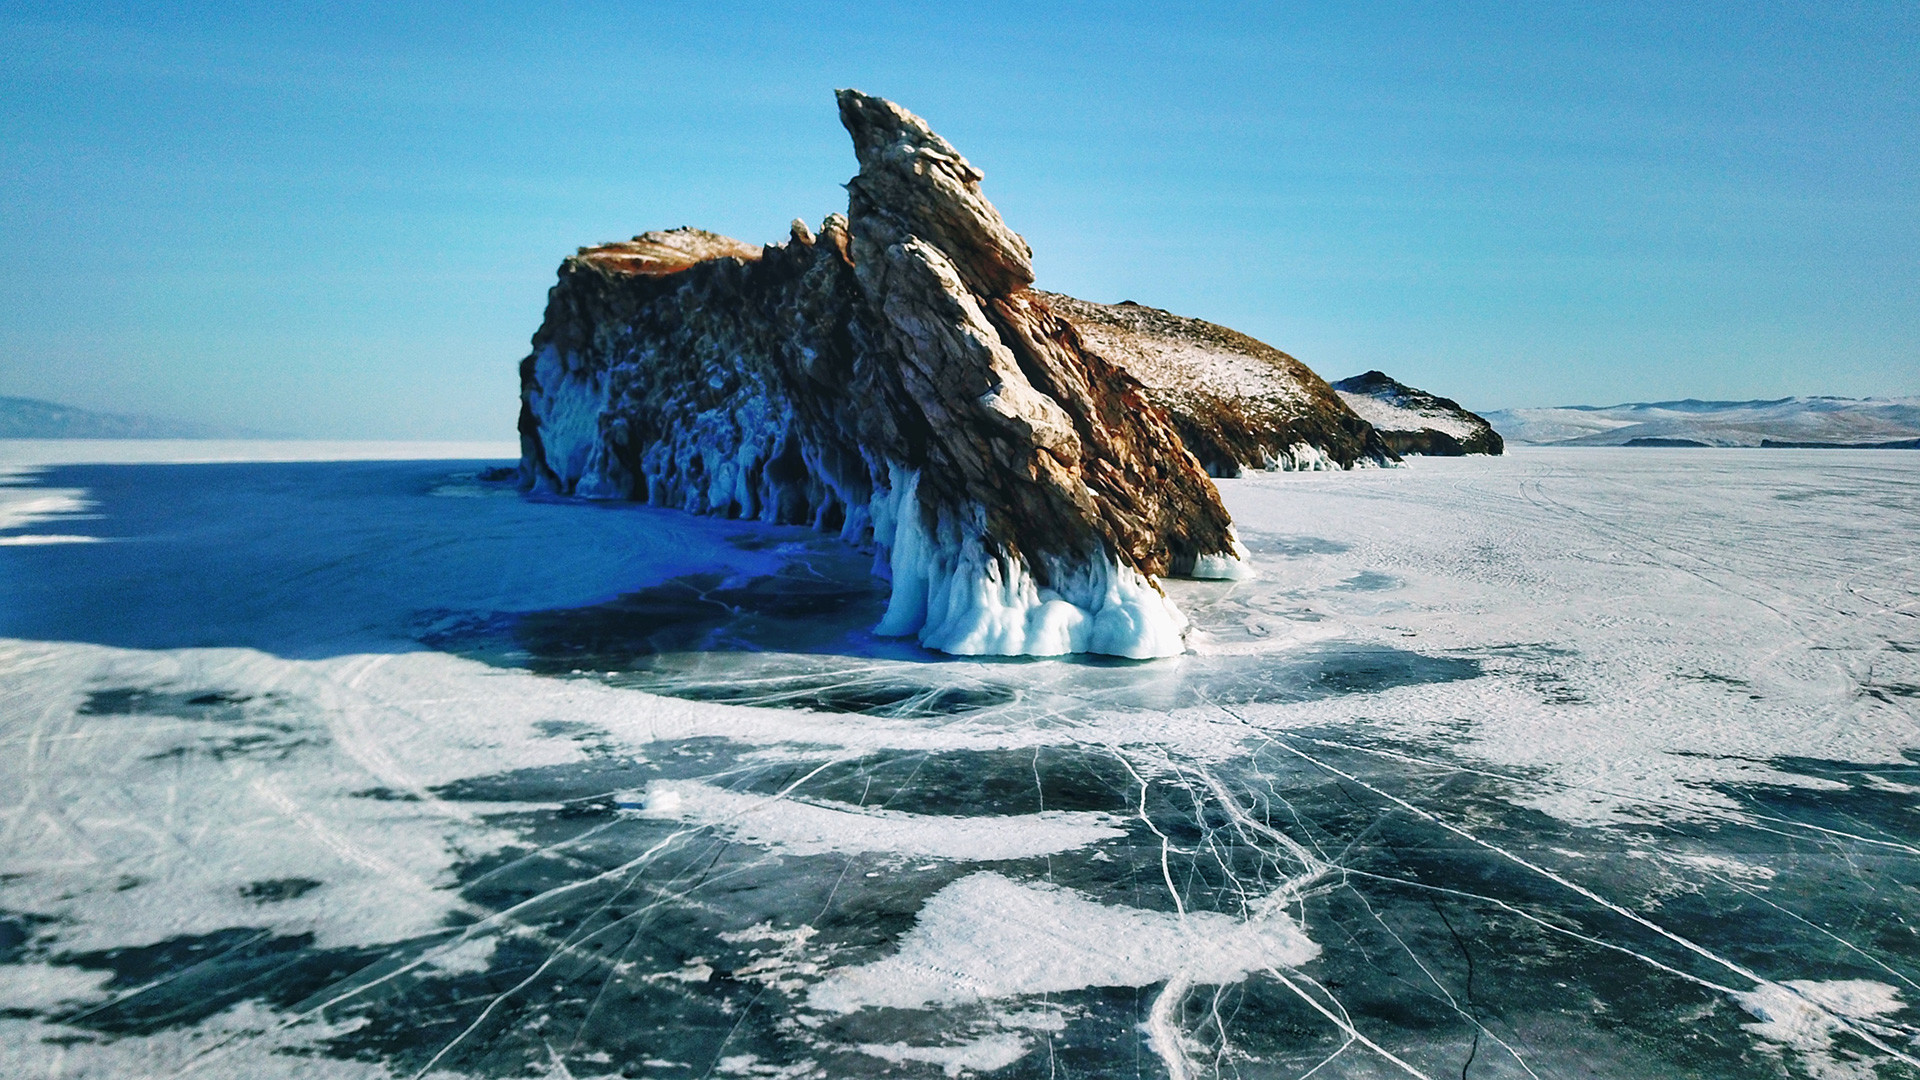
{"type": "Point", "coordinates": [914, 182]}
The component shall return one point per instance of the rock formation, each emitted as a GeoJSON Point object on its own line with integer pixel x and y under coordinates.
{"type": "Point", "coordinates": [896, 379]}
{"type": "Point", "coordinates": [1238, 403]}
{"type": "Point", "coordinates": [1416, 422]}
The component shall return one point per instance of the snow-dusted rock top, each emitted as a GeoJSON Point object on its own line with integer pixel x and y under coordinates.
{"type": "Point", "coordinates": [1237, 402]}
{"type": "Point", "coordinates": [1416, 422]}
{"type": "Point", "coordinates": [894, 379]}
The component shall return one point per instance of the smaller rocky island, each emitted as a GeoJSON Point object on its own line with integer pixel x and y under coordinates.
{"type": "Point", "coordinates": [1416, 422]}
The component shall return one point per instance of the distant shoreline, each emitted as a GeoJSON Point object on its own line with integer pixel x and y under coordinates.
{"type": "Point", "coordinates": [46, 452]}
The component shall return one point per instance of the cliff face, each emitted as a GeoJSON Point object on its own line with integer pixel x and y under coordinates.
{"type": "Point", "coordinates": [1238, 403]}
{"type": "Point", "coordinates": [1416, 422]}
{"type": "Point", "coordinates": [896, 379]}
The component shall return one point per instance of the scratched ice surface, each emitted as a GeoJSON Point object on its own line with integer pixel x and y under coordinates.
{"type": "Point", "coordinates": [1574, 763]}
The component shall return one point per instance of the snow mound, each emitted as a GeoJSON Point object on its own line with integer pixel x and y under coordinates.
{"type": "Point", "coordinates": [818, 827]}
{"type": "Point", "coordinates": [986, 937]}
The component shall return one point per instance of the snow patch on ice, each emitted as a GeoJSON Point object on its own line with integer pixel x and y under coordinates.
{"type": "Point", "coordinates": [23, 507]}
{"type": "Point", "coordinates": [989, 1053]}
{"type": "Point", "coordinates": [246, 1042]}
{"type": "Point", "coordinates": [986, 937]}
{"type": "Point", "coordinates": [33, 988]}
{"type": "Point", "coordinates": [1726, 867]}
{"type": "Point", "coordinates": [36, 539]}
{"type": "Point", "coordinates": [146, 841]}
{"type": "Point", "coordinates": [1804, 1015]}
{"type": "Point", "coordinates": [798, 827]}
{"type": "Point", "coordinates": [466, 956]}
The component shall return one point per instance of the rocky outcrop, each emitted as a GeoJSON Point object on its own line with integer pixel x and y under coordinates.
{"type": "Point", "coordinates": [894, 378]}
{"type": "Point", "coordinates": [1238, 403]}
{"type": "Point", "coordinates": [1416, 422]}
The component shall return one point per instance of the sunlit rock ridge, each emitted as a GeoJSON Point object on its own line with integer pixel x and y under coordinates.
{"type": "Point", "coordinates": [893, 378]}
{"type": "Point", "coordinates": [1238, 403]}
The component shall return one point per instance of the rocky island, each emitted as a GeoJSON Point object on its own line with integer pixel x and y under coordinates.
{"type": "Point", "coordinates": [893, 377]}
{"type": "Point", "coordinates": [1416, 422]}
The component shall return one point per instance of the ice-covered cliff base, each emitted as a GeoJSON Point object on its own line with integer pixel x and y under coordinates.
{"type": "Point", "coordinates": [960, 599]}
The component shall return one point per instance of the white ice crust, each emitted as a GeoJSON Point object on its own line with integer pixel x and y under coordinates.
{"type": "Point", "coordinates": [820, 827]}
{"type": "Point", "coordinates": [1805, 1014]}
{"type": "Point", "coordinates": [989, 1053]}
{"type": "Point", "coordinates": [987, 937]}
{"type": "Point", "coordinates": [958, 598]}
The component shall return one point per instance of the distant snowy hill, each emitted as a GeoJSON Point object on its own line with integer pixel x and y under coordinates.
{"type": "Point", "coordinates": [30, 418]}
{"type": "Point", "coordinates": [1845, 421]}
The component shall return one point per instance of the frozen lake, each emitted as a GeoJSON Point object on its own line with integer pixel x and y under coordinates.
{"type": "Point", "coordinates": [1571, 763]}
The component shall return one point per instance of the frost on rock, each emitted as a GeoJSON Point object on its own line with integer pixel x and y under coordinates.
{"type": "Point", "coordinates": [1238, 403]}
{"type": "Point", "coordinates": [893, 379]}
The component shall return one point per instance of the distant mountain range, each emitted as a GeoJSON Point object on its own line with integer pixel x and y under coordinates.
{"type": "Point", "coordinates": [30, 418]}
{"type": "Point", "coordinates": [1801, 421]}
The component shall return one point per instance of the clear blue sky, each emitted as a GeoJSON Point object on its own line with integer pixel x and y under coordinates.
{"type": "Point", "coordinates": [343, 220]}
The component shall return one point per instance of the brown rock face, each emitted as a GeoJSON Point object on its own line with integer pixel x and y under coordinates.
{"type": "Point", "coordinates": [1238, 403]}
{"type": "Point", "coordinates": [895, 379]}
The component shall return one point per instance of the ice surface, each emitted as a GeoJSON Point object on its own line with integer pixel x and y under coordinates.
{"type": "Point", "coordinates": [1584, 762]}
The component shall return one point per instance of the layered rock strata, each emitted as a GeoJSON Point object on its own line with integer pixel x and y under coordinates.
{"type": "Point", "coordinates": [893, 378]}
{"type": "Point", "coordinates": [1416, 422]}
{"type": "Point", "coordinates": [1238, 403]}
